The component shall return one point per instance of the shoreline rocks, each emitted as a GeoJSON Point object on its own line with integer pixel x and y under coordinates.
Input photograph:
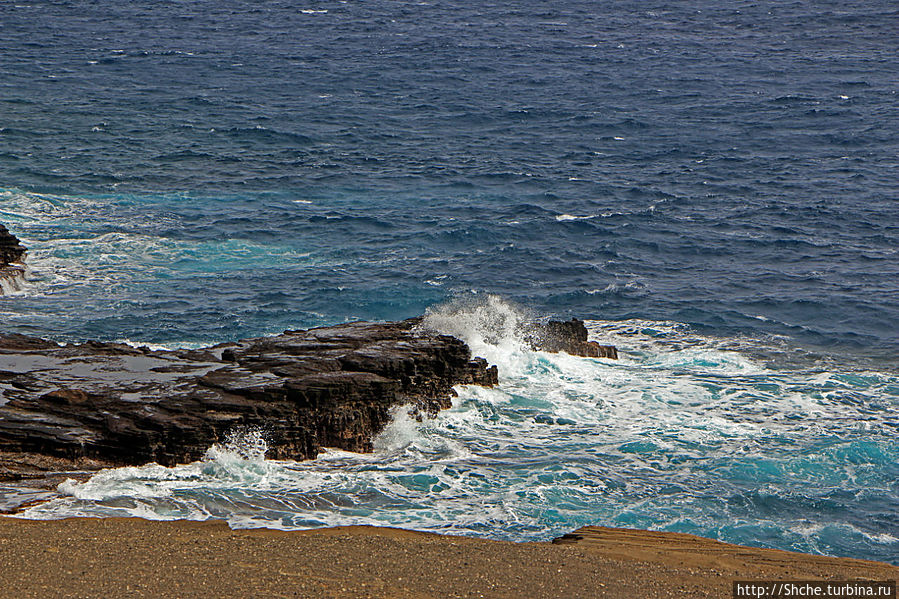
{"type": "Point", "coordinates": [12, 262]}
{"type": "Point", "coordinates": [93, 405]}
{"type": "Point", "coordinates": [81, 407]}
{"type": "Point", "coordinates": [327, 387]}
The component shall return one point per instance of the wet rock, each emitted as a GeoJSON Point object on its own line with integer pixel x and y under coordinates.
{"type": "Point", "coordinates": [12, 266]}
{"type": "Point", "coordinates": [569, 337]}
{"type": "Point", "coordinates": [11, 250]}
{"type": "Point", "coordinates": [326, 387]}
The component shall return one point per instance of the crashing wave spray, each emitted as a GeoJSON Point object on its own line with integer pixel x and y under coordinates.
{"type": "Point", "coordinates": [245, 443]}
{"type": "Point", "coordinates": [241, 457]}
{"type": "Point", "coordinates": [12, 280]}
{"type": "Point", "coordinates": [493, 328]}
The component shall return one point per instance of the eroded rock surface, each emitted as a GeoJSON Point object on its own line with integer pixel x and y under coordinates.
{"type": "Point", "coordinates": [327, 387]}
{"type": "Point", "coordinates": [569, 337]}
{"type": "Point", "coordinates": [12, 256]}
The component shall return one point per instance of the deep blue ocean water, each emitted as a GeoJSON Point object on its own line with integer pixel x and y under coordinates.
{"type": "Point", "coordinates": [712, 185]}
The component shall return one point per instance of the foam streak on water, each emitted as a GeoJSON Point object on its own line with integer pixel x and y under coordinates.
{"type": "Point", "coordinates": [680, 434]}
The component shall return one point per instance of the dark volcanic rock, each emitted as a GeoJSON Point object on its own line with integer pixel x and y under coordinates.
{"type": "Point", "coordinates": [10, 248]}
{"type": "Point", "coordinates": [12, 256]}
{"type": "Point", "coordinates": [569, 337]}
{"type": "Point", "coordinates": [90, 405]}
{"type": "Point", "coordinates": [332, 386]}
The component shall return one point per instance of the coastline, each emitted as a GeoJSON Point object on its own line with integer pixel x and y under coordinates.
{"type": "Point", "coordinates": [290, 267]}
{"type": "Point", "coordinates": [402, 364]}
{"type": "Point", "coordinates": [140, 558]}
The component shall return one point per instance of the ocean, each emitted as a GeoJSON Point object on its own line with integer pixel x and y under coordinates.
{"type": "Point", "coordinates": [711, 186]}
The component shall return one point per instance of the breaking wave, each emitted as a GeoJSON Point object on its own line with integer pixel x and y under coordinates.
{"type": "Point", "coordinates": [680, 434]}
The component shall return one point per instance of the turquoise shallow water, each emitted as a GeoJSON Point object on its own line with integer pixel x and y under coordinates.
{"type": "Point", "coordinates": [684, 433]}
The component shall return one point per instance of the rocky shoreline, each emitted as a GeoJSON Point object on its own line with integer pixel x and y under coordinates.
{"type": "Point", "coordinates": [68, 410]}
{"type": "Point", "coordinates": [12, 261]}
{"type": "Point", "coordinates": [328, 387]}
{"type": "Point", "coordinates": [85, 406]}
{"type": "Point", "coordinates": [95, 404]}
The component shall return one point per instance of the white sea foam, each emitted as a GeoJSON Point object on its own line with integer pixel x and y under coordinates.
{"type": "Point", "coordinates": [112, 261]}
{"type": "Point", "coordinates": [150, 346]}
{"type": "Point", "coordinates": [567, 217]}
{"type": "Point", "coordinates": [136, 490]}
{"type": "Point", "coordinates": [12, 281]}
{"type": "Point", "coordinates": [617, 287]}
{"type": "Point", "coordinates": [812, 529]}
{"type": "Point", "coordinates": [680, 433]}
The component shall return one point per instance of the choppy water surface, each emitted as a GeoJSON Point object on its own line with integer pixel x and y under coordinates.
{"type": "Point", "coordinates": [714, 185]}
{"type": "Point", "coordinates": [680, 434]}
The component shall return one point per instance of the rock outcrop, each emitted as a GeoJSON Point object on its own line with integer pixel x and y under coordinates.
{"type": "Point", "coordinates": [89, 405]}
{"type": "Point", "coordinates": [11, 250]}
{"type": "Point", "coordinates": [12, 257]}
{"type": "Point", "coordinates": [326, 387]}
{"type": "Point", "coordinates": [569, 337]}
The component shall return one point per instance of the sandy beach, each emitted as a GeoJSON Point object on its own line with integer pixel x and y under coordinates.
{"type": "Point", "coordinates": [138, 558]}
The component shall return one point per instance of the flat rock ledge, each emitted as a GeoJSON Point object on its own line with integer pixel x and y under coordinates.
{"type": "Point", "coordinates": [92, 405]}
{"type": "Point", "coordinates": [329, 387]}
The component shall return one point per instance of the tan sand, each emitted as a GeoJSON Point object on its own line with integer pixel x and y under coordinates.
{"type": "Point", "coordinates": [112, 558]}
